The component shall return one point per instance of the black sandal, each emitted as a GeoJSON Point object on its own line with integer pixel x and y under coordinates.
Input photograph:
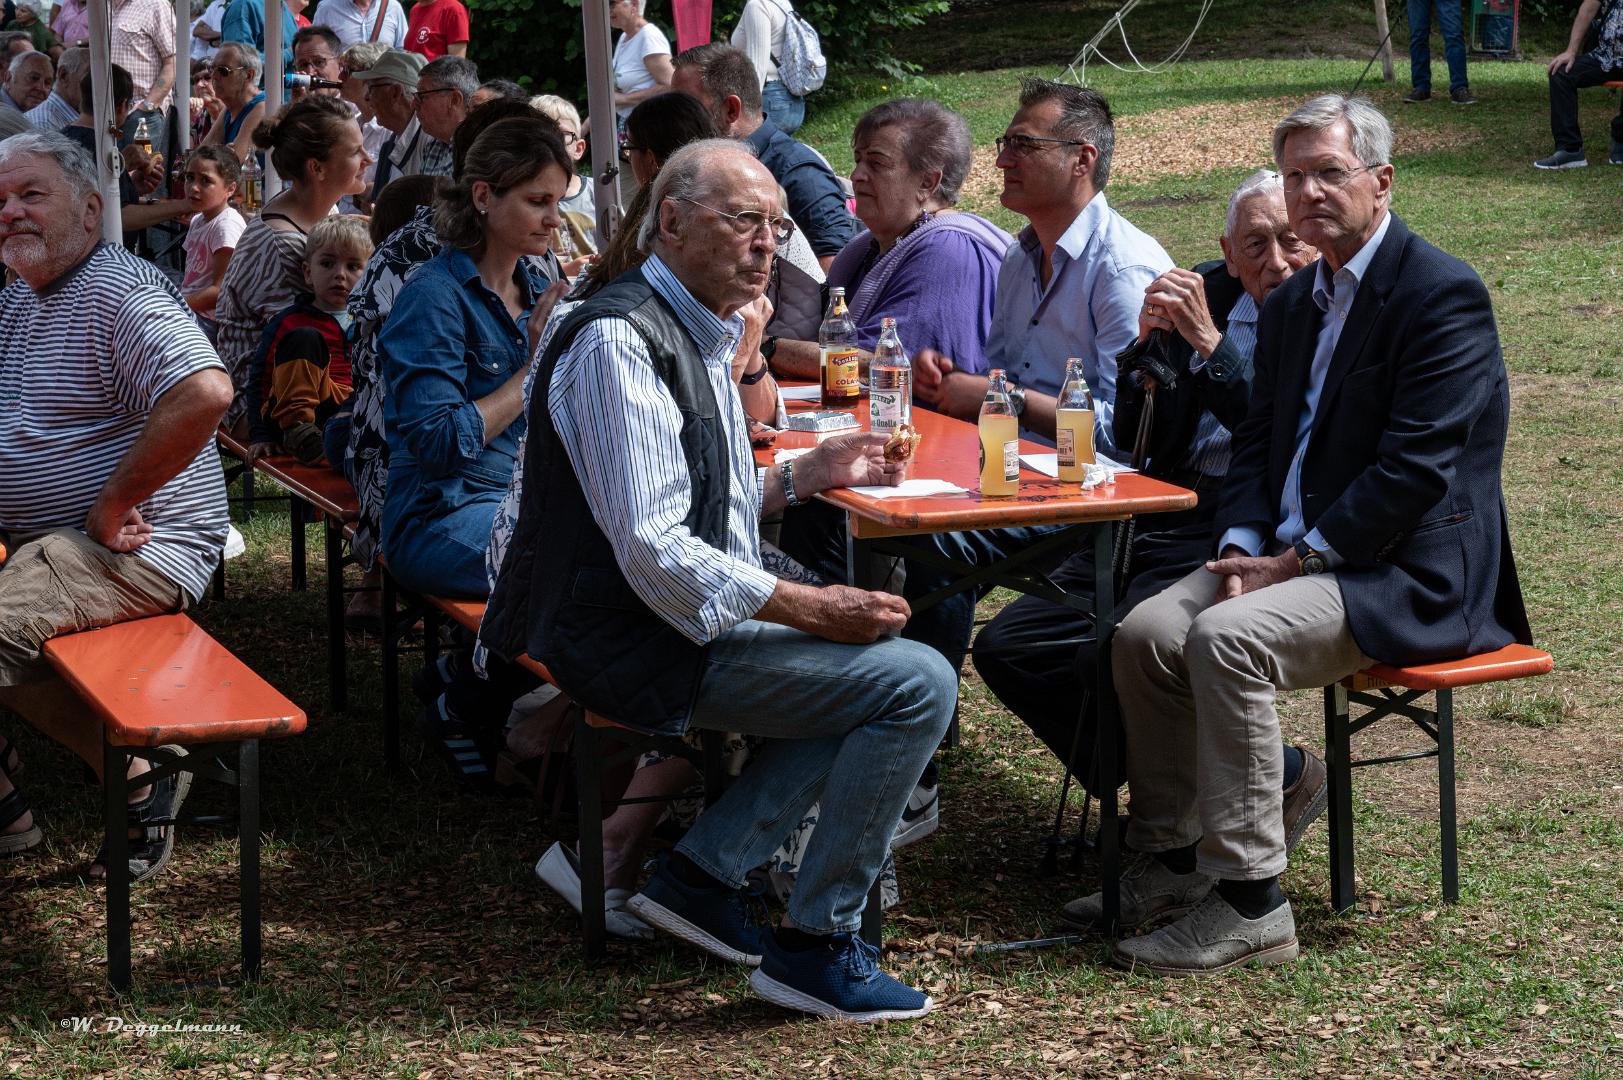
{"type": "Point", "coordinates": [12, 809]}
{"type": "Point", "coordinates": [154, 816]}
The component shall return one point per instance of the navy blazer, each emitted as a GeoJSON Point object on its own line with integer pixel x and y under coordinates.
{"type": "Point", "coordinates": [1401, 475]}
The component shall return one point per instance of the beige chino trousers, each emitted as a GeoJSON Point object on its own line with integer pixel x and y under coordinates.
{"type": "Point", "coordinates": [1196, 681]}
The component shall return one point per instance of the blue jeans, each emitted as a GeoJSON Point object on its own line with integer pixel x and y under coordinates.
{"type": "Point", "coordinates": [443, 554]}
{"type": "Point", "coordinates": [1451, 23]}
{"type": "Point", "coordinates": [783, 108]}
{"type": "Point", "coordinates": [852, 726]}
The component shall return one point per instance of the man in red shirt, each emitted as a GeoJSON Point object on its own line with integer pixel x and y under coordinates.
{"type": "Point", "coordinates": [438, 28]}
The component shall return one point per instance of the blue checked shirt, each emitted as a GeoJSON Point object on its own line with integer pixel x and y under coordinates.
{"type": "Point", "coordinates": [619, 426]}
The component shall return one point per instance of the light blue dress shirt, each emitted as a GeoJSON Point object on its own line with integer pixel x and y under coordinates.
{"type": "Point", "coordinates": [1102, 265]}
{"type": "Point", "coordinates": [1334, 297]}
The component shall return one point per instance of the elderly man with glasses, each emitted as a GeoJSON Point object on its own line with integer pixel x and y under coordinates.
{"type": "Point", "coordinates": [393, 95]}
{"type": "Point", "coordinates": [635, 575]}
{"type": "Point", "coordinates": [1361, 520]}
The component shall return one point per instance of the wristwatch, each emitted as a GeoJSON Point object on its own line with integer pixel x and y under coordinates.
{"type": "Point", "coordinates": [1017, 399]}
{"type": "Point", "coordinates": [786, 472]}
{"type": "Point", "coordinates": [1313, 562]}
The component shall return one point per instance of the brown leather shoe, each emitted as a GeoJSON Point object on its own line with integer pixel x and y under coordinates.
{"type": "Point", "coordinates": [1305, 799]}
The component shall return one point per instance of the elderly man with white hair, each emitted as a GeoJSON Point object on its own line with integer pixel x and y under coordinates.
{"type": "Point", "coordinates": [634, 573]}
{"type": "Point", "coordinates": [1361, 520]}
{"type": "Point", "coordinates": [112, 505]}
{"type": "Point", "coordinates": [61, 106]}
{"type": "Point", "coordinates": [1029, 655]}
{"type": "Point", "coordinates": [28, 81]}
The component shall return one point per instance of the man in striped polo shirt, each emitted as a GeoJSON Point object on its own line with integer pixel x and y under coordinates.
{"type": "Point", "coordinates": [112, 504]}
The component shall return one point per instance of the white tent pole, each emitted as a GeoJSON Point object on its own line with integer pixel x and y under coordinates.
{"type": "Point", "coordinates": [108, 164]}
{"type": "Point", "coordinates": [605, 132]}
{"type": "Point", "coordinates": [273, 83]}
{"type": "Point", "coordinates": [183, 81]}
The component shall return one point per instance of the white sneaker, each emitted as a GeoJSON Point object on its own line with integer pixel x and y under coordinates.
{"type": "Point", "coordinates": [234, 543]}
{"type": "Point", "coordinates": [920, 817]}
{"type": "Point", "coordinates": [560, 872]}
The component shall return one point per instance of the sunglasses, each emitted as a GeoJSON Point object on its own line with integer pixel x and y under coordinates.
{"type": "Point", "coordinates": [223, 71]}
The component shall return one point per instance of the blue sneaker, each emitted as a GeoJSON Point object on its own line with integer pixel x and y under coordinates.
{"type": "Point", "coordinates": [727, 923]}
{"type": "Point", "coordinates": [840, 979]}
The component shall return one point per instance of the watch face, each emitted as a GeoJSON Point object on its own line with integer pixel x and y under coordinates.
{"type": "Point", "coordinates": [1313, 564]}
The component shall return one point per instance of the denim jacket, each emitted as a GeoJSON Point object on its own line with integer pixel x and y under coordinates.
{"type": "Point", "coordinates": [448, 342]}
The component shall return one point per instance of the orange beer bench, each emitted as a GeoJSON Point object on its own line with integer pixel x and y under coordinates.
{"type": "Point", "coordinates": [1385, 690]}
{"type": "Point", "coordinates": [164, 680]}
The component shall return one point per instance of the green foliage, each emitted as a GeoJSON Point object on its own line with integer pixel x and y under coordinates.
{"type": "Point", "coordinates": [539, 42]}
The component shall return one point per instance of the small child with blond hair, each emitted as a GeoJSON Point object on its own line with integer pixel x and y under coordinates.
{"type": "Point", "coordinates": [300, 374]}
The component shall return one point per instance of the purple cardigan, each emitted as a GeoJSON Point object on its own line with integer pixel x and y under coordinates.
{"type": "Point", "coordinates": [938, 283]}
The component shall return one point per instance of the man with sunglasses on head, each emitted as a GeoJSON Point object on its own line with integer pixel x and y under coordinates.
{"type": "Point", "coordinates": [635, 575]}
{"type": "Point", "coordinates": [1361, 520]}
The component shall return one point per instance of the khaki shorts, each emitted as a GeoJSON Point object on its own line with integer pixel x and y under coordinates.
{"type": "Point", "coordinates": [59, 581]}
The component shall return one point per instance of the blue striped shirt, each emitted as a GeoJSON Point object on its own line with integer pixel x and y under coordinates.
{"type": "Point", "coordinates": [620, 427]}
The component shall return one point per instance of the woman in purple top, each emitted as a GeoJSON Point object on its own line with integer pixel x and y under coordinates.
{"type": "Point", "coordinates": [934, 269]}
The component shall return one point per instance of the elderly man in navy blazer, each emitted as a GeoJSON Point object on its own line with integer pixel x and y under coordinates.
{"type": "Point", "coordinates": [1361, 520]}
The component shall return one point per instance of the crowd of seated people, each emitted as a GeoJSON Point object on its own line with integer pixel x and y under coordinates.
{"type": "Point", "coordinates": [562, 427]}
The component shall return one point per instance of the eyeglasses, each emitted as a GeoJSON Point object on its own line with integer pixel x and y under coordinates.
{"type": "Point", "coordinates": [441, 90]}
{"type": "Point", "coordinates": [223, 71]}
{"type": "Point", "coordinates": [314, 63]}
{"type": "Point", "coordinates": [750, 222]}
{"type": "Point", "coordinates": [1333, 177]}
{"type": "Point", "coordinates": [1026, 145]}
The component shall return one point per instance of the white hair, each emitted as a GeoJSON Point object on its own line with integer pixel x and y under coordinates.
{"type": "Point", "coordinates": [247, 58]}
{"type": "Point", "coordinates": [23, 59]}
{"type": "Point", "coordinates": [68, 155]}
{"type": "Point", "coordinates": [687, 174]}
{"type": "Point", "coordinates": [1261, 182]}
{"type": "Point", "coordinates": [1371, 131]}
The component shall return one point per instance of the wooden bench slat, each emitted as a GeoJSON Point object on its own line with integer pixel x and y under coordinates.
{"type": "Point", "coordinates": [468, 614]}
{"type": "Point", "coordinates": [322, 486]}
{"type": "Point", "coordinates": [1510, 662]}
{"type": "Point", "coordinates": [165, 680]}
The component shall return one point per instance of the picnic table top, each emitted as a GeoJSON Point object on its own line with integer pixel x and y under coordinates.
{"type": "Point", "coordinates": [950, 450]}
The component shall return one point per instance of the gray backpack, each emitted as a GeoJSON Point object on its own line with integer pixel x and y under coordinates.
{"type": "Point", "coordinates": [802, 67]}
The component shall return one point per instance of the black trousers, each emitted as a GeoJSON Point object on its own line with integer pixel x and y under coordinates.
{"type": "Point", "coordinates": [1039, 658]}
{"type": "Point", "coordinates": [1564, 87]}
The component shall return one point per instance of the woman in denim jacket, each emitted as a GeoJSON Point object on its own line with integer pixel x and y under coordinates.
{"type": "Point", "coordinates": [454, 353]}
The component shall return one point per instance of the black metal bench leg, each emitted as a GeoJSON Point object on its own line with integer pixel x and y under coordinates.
{"type": "Point", "coordinates": [1106, 753]}
{"type": "Point", "coordinates": [1338, 762]}
{"type": "Point", "coordinates": [219, 580]}
{"type": "Point", "coordinates": [589, 783]}
{"type": "Point", "coordinates": [873, 917]}
{"type": "Point", "coordinates": [248, 853]}
{"type": "Point", "coordinates": [1445, 796]}
{"type": "Point", "coordinates": [337, 668]}
{"type": "Point", "coordinates": [296, 515]}
{"type": "Point", "coordinates": [115, 796]}
{"type": "Point", "coordinates": [390, 647]}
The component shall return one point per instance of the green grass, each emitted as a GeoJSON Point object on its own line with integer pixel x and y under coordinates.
{"type": "Point", "coordinates": [405, 935]}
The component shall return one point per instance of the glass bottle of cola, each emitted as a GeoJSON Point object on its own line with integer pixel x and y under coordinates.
{"type": "Point", "coordinates": [839, 354]}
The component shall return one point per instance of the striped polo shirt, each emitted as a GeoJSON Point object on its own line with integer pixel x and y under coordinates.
{"type": "Point", "coordinates": [82, 363]}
